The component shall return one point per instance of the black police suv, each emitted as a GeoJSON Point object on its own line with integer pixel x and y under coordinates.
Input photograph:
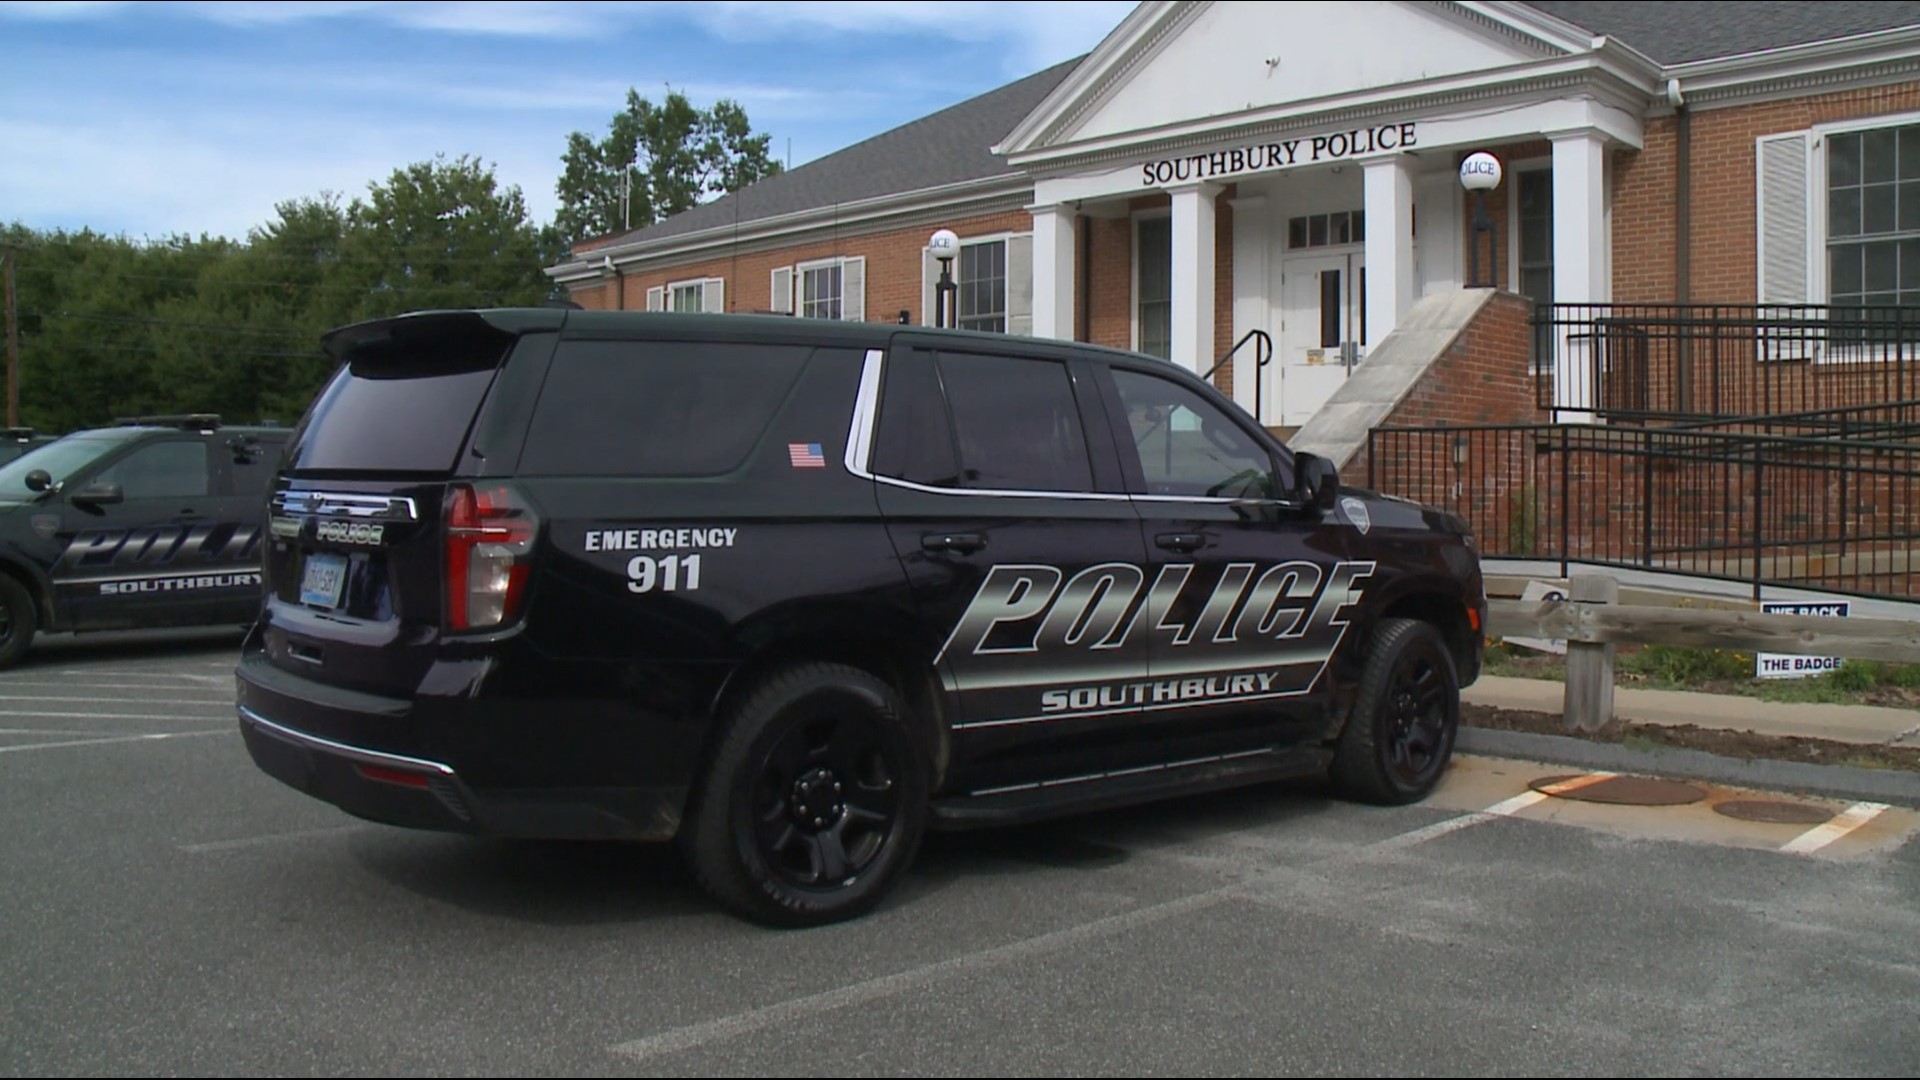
{"type": "Point", "coordinates": [153, 522]}
{"type": "Point", "coordinates": [790, 592]}
{"type": "Point", "coordinates": [15, 441]}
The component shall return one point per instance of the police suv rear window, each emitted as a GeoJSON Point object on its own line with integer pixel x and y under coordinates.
{"type": "Point", "coordinates": [1017, 424]}
{"type": "Point", "coordinates": [656, 408]}
{"type": "Point", "coordinates": [396, 418]}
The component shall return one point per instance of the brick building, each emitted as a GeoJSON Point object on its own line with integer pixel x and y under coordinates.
{"type": "Point", "coordinates": [1212, 169]}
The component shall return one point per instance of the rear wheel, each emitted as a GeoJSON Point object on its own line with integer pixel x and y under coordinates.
{"type": "Point", "coordinates": [1400, 736]}
{"type": "Point", "coordinates": [17, 620]}
{"type": "Point", "coordinates": [814, 801]}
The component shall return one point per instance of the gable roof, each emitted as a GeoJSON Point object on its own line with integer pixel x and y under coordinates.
{"type": "Point", "coordinates": [948, 147]}
{"type": "Point", "coordinates": [1683, 31]}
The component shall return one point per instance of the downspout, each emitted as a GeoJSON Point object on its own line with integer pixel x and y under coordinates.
{"type": "Point", "coordinates": [1682, 231]}
{"type": "Point", "coordinates": [619, 282]}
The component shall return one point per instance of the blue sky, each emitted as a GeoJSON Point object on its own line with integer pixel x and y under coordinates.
{"type": "Point", "coordinates": [157, 118]}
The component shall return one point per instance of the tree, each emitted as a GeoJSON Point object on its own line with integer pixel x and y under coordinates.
{"type": "Point", "coordinates": [112, 326]}
{"type": "Point", "coordinates": [673, 155]}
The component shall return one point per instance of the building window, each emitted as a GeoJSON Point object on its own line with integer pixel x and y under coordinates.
{"type": "Point", "coordinates": [827, 289]}
{"type": "Point", "coordinates": [698, 295]}
{"type": "Point", "coordinates": [1873, 217]}
{"type": "Point", "coordinates": [820, 292]}
{"type": "Point", "coordinates": [1154, 293]}
{"type": "Point", "coordinates": [1327, 230]}
{"type": "Point", "coordinates": [983, 286]}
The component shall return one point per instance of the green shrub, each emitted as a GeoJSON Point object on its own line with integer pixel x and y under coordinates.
{"type": "Point", "coordinates": [1854, 676]}
{"type": "Point", "coordinates": [1667, 663]}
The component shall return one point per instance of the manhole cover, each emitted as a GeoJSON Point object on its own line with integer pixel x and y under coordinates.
{"type": "Point", "coordinates": [1773, 810]}
{"type": "Point", "coordinates": [1619, 790]}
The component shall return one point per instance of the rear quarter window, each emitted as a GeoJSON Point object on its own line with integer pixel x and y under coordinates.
{"type": "Point", "coordinates": [656, 408]}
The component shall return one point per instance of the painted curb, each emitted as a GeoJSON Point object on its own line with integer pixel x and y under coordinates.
{"type": "Point", "coordinates": [1834, 781]}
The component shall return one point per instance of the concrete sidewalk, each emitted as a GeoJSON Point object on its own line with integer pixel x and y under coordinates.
{"type": "Point", "coordinates": [1864, 724]}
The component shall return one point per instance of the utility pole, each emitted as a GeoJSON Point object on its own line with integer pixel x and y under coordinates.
{"type": "Point", "coordinates": [13, 347]}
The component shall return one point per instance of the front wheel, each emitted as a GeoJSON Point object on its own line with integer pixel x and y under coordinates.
{"type": "Point", "coordinates": [814, 800]}
{"type": "Point", "coordinates": [17, 621]}
{"type": "Point", "coordinates": [1400, 735]}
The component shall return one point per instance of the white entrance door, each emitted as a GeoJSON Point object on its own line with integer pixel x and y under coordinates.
{"type": "Point", "coordinates": [1322, 301]}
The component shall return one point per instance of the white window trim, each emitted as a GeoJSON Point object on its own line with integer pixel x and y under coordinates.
{"type": "Point", "coordinates": [1133, 294]}
{"type": "Point", "coordinates": [1818, 287]}
{"type": "Point", "coordinates": [666, 299]}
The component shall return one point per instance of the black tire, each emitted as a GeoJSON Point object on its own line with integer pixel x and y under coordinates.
{"type": "Point", "coordinates": [1400, 735]}
{"type": "Point", "coordinates": [18, 620]}
{"type": "Point", "coordinates": [814, 800]}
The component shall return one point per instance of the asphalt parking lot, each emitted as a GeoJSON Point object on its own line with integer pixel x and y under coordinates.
{"type": "Point", "coordinates": [171, 910]}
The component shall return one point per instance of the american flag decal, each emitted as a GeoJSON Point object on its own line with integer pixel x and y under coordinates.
{"type": "Point", "coordinates": [806, 455]}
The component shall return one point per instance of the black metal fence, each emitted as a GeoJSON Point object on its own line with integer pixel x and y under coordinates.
{"type": "Point", "coordinates": [1678, 362]}
{"type": "Point", "coordinates": [1805, 508]}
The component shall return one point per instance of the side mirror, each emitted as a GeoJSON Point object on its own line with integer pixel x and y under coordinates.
{"type": "Point", "coordinates": [39, 480]}
{"type": "Point", "coordinates": [97, 495]}
{"type": "Point", "coordinates": [1316, 482]}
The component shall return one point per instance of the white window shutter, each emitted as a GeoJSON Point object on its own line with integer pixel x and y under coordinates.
{"type": "Point", "coordinates": [1020, 284]}
{"type": "Point", "coordinates": [929, 281]}
{"type": "Point", "coordinates": [713, 295]}
{"type": "Point", "coordinates": [1786, 234]}
{"type": "Point", "coordinates": [853, 289]}
{"type": "Point", "coordinates": [657, 298]}
{"type": "Point", "coordinates": [781, 301]}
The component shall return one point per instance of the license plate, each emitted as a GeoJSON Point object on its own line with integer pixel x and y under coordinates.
{"type": "Point", "coordinates": [325, 575]}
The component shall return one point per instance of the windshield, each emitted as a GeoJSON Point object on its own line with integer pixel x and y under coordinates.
{"type": "Point", "coordinates": [62, 458]}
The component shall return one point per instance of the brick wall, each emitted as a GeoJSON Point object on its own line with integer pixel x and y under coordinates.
{"type": "Point", "coordinates": [1482, 378]}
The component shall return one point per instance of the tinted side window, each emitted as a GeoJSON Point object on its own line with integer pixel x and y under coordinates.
{"type": "Point", "coordinates": [161, 470]}
{"type": "Point", "coordinates": [914, 441]}
{"type": "Point", "coordinates": [1188, 446]}
{"type": "Point", "coordinates": [1017, 424]}
{"type": "Point", "coordinates": [656, 408]}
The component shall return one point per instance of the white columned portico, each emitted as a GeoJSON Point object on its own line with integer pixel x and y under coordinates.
{"type": "Point", "coordinates": [1193, 294]}
{"type": "Point", "coordinates": [1579, 262]}
{"type": "Point", "coordinates": [1054, 233]}
{"type": "Point", "coordinates": [1389, 244]}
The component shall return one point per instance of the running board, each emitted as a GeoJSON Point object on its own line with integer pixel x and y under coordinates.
{"type": "Point", "coordinates": [1125, 787]}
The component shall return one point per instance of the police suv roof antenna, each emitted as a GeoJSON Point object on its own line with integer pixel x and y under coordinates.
{"type": "Point", "coordinates": [945, 246]}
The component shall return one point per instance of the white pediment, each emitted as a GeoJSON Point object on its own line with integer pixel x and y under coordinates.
{"type": "Point", "coordinates": [1226, 58]}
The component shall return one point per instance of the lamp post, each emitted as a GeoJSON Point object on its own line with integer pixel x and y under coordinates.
{"type": "Point", "coordinates": [1480, 173]}
{"type": "Point", "coordinates": [945, 245]}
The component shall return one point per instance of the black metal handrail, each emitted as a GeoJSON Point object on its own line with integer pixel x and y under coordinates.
{"type": "Point", "coordinates": [1837, 513]}
{"type": "Point", "coordinates": [1262, 356]}
{"type": "Point", "coordinates": [1678, 363]}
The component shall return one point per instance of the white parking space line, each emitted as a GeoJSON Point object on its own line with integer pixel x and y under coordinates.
{"type": "Point", "coordinates": [1845, 822]}
{"type": "Point", "coordinates": [225, 708]}
{"type": "Point", "coordinates": [96, 684]}
{"type": "Point", "coordinates": [694, 1036]}
{"type": "Point", "coordinates": [271, 838]}
{"type": "Point", "coordinates": [47, 731]}
{"type": "Point", "coordinates": [109, 739]}
{"type": "Point", "coordinates": [109, 700]}
{"type": "Point", "coordinates": [1503, 808]}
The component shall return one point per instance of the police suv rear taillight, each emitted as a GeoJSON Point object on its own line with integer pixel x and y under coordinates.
{"type": "Point", "coordinates": [490, 533]}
